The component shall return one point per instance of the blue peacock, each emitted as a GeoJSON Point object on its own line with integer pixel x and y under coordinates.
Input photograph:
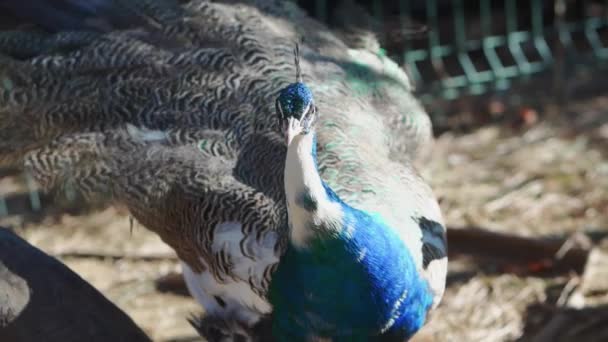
{"type": "Point", "coordinates": [299, 209]}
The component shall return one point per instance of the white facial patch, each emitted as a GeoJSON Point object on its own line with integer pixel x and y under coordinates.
{"type": "Point", "coordinates": [301, 173]}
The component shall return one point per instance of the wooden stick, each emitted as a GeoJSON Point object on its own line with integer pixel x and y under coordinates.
{"type": "Point", "coordinates": [173, 283]}
{"type": "Point", "coordinates": [479, 242]}
{"type": "Point", "coordinates": [476, 242]}
{"type": "Point", "coordinates": [114, 256]}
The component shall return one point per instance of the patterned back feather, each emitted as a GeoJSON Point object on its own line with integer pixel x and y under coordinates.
{"type": "Point", "coordinates": [173, 116]}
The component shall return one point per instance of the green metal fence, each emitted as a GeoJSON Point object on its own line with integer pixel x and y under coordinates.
{"type": "Point", "coordinates": [538, 35]}
{"type": "Point", "coordinates": [450, 61]}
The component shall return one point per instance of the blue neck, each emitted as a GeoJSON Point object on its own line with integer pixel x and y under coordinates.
{"type": "Point", "coordinates": [351, 277]}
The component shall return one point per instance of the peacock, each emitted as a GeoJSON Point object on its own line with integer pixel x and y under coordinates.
{"type": "Point", "coordinates": [285, 185]}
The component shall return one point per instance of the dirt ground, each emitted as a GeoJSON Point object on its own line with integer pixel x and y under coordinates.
{"type": "Point", "coordinates": [549, 179]}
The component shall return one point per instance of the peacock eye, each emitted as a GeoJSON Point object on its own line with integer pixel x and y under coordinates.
{"type": "Point", "coordinates": [312, 112]}
{"type": "Point", "coordinates": [309, 117]}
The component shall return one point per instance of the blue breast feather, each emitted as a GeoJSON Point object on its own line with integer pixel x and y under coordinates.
{"type": "Point", "coordinates": [348, 285]}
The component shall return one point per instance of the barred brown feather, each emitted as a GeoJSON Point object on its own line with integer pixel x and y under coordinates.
{"type": "Point", "coordinates": [174, 118]}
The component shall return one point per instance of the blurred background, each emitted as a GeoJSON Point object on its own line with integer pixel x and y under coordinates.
{"type": "Point", "coordinates": [518, 94]}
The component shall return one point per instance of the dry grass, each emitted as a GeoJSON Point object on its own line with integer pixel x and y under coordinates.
{"type": "Point", "coordinates": [551, 179]}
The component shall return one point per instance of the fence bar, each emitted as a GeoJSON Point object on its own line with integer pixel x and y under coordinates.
{"type": "Point", "coordinates": [538, 32]}
{"type": "Point", "coordinates": [431, 12]}
{"type": "Point", "coordinates": [410, 56]}
{"type": "Point", "coordinates": [514, 38]}
{"type": "Point", "coordinates": [489, 43]}
{"type": "Point", "coordinates": [592, 25]}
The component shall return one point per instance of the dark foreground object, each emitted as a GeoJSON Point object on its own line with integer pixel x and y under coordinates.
{"type": "Point", "coordinates": [43, 300]}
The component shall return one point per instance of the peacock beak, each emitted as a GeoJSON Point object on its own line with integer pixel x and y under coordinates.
{"type": "Point", "coordinates": [291, 128]}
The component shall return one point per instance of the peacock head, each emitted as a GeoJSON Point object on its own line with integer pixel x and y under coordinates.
{"type": "Point", "coordinates": [295, 106]}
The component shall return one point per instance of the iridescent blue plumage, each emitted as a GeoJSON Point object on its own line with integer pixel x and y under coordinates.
{"type": "Point", "coordinates": [294, 99]}
{"type": "Point", "coordinates": [356, 285]}
{"type": "Point", "coordinates": [353, 281]}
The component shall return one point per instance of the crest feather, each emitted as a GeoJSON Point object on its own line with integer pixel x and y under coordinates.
{"type": "Point", "coordinates": [296, 53]}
